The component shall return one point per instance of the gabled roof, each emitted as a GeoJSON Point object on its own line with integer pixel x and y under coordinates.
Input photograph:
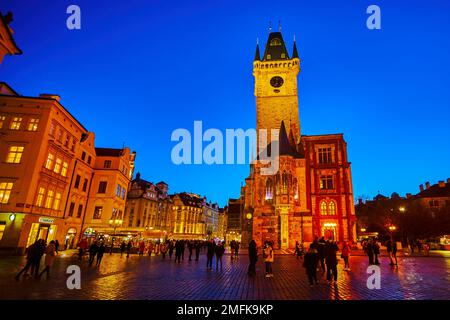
{"type": "Point", "coordinates": [286, 148]}
{"type": "Point", "coordinates": [275, 48]}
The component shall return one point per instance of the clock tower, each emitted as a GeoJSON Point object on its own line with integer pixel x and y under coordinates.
{"type": "Point", "coordinates": [276, 87]}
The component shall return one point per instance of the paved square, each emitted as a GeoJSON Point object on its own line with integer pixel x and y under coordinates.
{"type": "Point", "coordinates": [153, 278]}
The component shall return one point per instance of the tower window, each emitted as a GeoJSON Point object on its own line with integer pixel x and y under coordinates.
{"type": "Point", "coordinates": [269, 57]}
{"type": "Point", "coordinates": [325, 155]}
{"type": "Point", "coordinates": [275, 42]}
{"type": "Point", "coordinates": [33, 125]}
{"type": "Point", "coordinates": [323, 208]}
{"type": "Point", "coordinates": [332, 208]}
{"type": "Point", "coordinates": [15, 154]}
{"type": "Point", "coordinates": [5, 191]}
{"type": "Point", "coordinates": [326, 182]}
{"type": "Point", "coordinates": [15, 124]}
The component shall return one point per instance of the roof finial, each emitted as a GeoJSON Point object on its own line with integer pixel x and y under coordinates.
{"type": "Point", "coordinates": [257, 41]}
{"type": "Point", "coordinates": [270, 26]}
{"type": "Point", "coordinates": [294, 37]}
{"type": "Point", "coordinates": [279, 25]}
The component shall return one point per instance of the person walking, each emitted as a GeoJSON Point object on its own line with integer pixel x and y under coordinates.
{"type": "Point", "coordinates": [93, 248]}
{"type": "Point", "coordinates": [236, 250]}
{"type": "Point", "coordinates": [268, 258]}
{"type": "Point", "coordinates": [252, 257]}
{"type": "Point", "coordinates": [210, 254]}
{"type": "Point", "coordinates": [50, 253]}
{"type": "Point", "coordinates": [111, 248]}
{"type": "Point", "coordinates": [178, 251]}
{"type": "Point", "coordinates": [198, 246]}
{"type": "Point", "coordinates": [37, 258]}
{"type": "Point", "coordinates": [394, 251]}
{"type": "Point", "coordinates": [122, 248]}
{"type": "Point", "coordinates": [183, 247]}
{"type": "Point", "coordinates": [31, 252]}
{"type": "Point", "coordinates": [163, 250]}
{"type": "Point", "coordinates": [232, 244]}
{"type": "Point", "coordinates": [100, 253]}
{"type": "Point", "coordinates": [346, 255]}
{"type": "Point", "coordinates": [129, 246]}
{"type": "Point", "coordinates": [219, 250]}
{"type": "Point", "coordinates": [311, 262]}
{"type": "Point", "coordinates": [331, 250]}
{"type": "Point", "coordinates": [82, 247]}
{"type": "Point", "coordinates": [376, 251]}
{"type": "Point", "coordinates": [171, 247]}
{"type": "Point", "coordinates": [150, 249]}
{"type": "Point", "coordinates": [190, 248]}
{"type": "Point", "coordinates": [321, 251]}
{"type": "Point", "coordinates": [369, 250]}
{"type": "Point", "coordinates": [56, 246]}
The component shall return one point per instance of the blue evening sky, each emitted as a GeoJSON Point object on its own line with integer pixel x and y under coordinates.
{"type": "Point", "coordinates": [139, 69]}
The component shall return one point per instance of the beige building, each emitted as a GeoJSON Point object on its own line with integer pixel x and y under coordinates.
{"type": "Point", "coordinates": [189, 222]}
{"type": "Point", "coordinates": [148, 212]}
{"type": "Point", "coordinates": [51, 173]}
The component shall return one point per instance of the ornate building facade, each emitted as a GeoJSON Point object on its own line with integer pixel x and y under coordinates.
{"type": "Point", "coordinates": [311, 193]}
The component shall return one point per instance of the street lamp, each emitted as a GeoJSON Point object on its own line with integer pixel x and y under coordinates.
{"type": "Point", "coordinates": [392, 228]}
{"type": "Point", "coordinates": [402, 209]}
{"type": "Point", "coordinates": [363, 229]}
{"type": "Point", "coordinates": [115, 223]}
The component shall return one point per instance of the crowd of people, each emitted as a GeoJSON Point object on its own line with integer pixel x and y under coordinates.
{"type": "Point", "coordinates": [321, 255]}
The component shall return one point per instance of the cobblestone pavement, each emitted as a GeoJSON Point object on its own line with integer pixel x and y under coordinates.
{"type": "Point", "coordinates": [153, 278]}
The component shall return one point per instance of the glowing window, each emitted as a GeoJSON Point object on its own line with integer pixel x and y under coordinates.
{"type": "Point", "coordinates": [33, 125]}
{"type": "Point", "coordinates": [57, 201]}
{"type": "Point", "coordinates": [49, 200]}
{"type": "Point", "coordinates": [14, 154]}
{"type": "Point", "coordinates": [15, 124]}
{"type": "Point", "coordinates": [323, 208]}
{"type": "Point", "coordinates": [275, 42]}
{"type": "Point", "coordinates": [58, 164]}
{"type": "Point", "coordinates": [5, 191]}
{"type": "Point", "coordinates": [49, 162]}
{"type": "Point", "coordinates": [269, 189]}
{"type": "Point", "coordinates": [332, 208]}
{"type": "Point", "coordinates": [64, 169]}
{"type": "Point", "coordinates": [2, 121]}
{"type": "Point", "coordinates": [40, 197]}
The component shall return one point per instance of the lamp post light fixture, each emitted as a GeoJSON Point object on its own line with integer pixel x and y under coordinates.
{"type": "Point", "coordinates": [392, 228]}
{"type": "Point", "coordinates": [115, 223]}
{"type": "Point", "coordinates": [402, 209]}
{"type": "Point", "coordinates": [12, 217]}
{"type": "Point", "coordinates": [363, 229]}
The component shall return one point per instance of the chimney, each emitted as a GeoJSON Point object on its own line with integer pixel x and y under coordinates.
{"type": "Point", "coordinates": [50, 96]}
{"type": "Point", "coordinates": [408, 195]}
{"type": "Point", "coordinates": [442, 184]}
{"type": "Point", "coordinates": [421, 187]}
{"type": "Point", "coordinates": [427, 185]}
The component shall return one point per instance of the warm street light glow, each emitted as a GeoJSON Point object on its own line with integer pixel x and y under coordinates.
{"type": "Point", "coordinates": [392, 228]}
{"type": "Point", "coordinates": [363, 229]}
{"type": "Point", "coordinates": [402, 209]}
{"type": "Point", "coordinates": [12, 217]}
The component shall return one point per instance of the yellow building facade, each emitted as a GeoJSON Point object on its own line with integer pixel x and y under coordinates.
{"type": "Point", "coordinates": [50, 172]}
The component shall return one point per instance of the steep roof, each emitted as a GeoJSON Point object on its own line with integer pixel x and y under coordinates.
{"type": "Point", "coordinates": [7, 37]}
{"type": "Point", "coordinates": [275, 48]}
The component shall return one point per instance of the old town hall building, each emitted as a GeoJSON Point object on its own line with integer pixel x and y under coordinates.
{"type": "Point", "coordinates": [311, 194]}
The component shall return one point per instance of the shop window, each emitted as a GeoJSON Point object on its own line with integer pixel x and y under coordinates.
{"type": "Point", "coordinates": [15, 124]}
{"type": "Point", "coordinates": [15, 154]}
{"type": "Point", "coordinates": [5, 191]}
{"type": "Point", "coordinates": [2, 229]}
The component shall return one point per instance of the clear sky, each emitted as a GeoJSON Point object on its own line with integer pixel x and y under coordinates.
{"type": "Point", "coordinates": [139, 69]}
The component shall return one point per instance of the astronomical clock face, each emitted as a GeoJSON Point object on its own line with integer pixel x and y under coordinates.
{"type": "Point", "coordinates": [276, 82]}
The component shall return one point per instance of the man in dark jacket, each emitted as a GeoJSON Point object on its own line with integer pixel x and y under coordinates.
{"type": "Point", "coordinates": [311, 261]}
{"type": "Point", "coordinates": [219, 250]}
{"type": "Point", "coordinates": [321, 253]}
{"type": "Point", "coordinates": [210, 254]}
{"type": "Point", "coordinates": [369, 250]}
{"type": "Point", "coordinates": [198, 246]}
{"type": "Point", "coordinates": [92, 252]}
{"type": "Point", "coordinates": [253, 258]}
{"type": "Point", "coordinates": [331, 250]}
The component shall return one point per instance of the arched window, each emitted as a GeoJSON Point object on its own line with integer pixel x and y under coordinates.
{"type": "Point", "coordinates": [269, 189]}
{"type": "Point", "coordinates": [332, 208]}
{"type": "Point", "coordinates": [323, 208]}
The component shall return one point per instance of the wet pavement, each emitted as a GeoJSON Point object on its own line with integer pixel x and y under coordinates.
{"type": "Point", "coordinates": [153, 278]}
